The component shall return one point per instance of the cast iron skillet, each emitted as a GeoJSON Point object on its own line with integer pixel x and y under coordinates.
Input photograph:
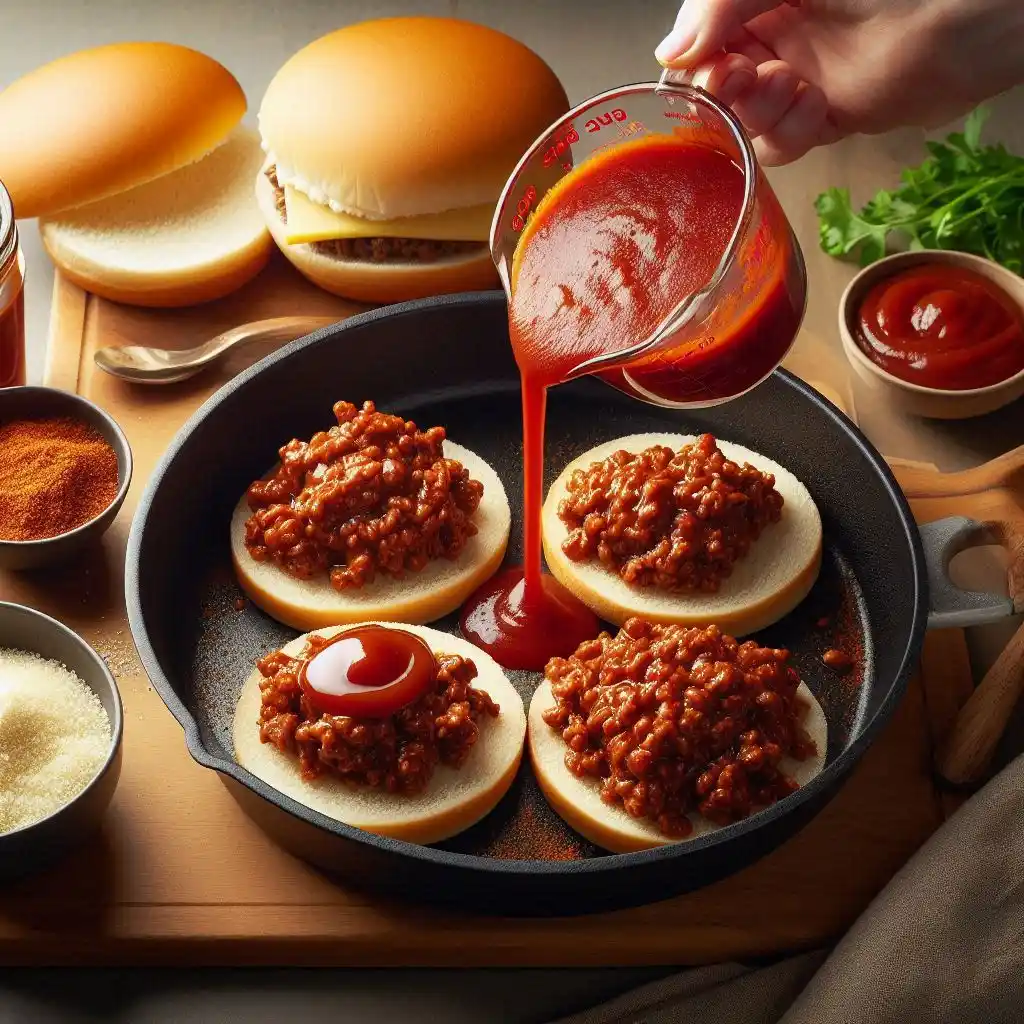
{"type": "Point", "coordinates": [448, 361]}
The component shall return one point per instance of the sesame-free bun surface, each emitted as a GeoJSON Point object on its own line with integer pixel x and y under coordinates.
{"type": "Point", "coordinates": [397, 117]}
{"type": "Point", "coordinates": [189, 236]}
{"type": "Point", "coordinates": [365, 281]}
{"type": "Point", "coordinates": [578, 801]}
{"type": "Point", "coordinates": [767, 584]}
{"type": "Point", "coordinates": [419, 597]}
{"type": "Point", "coordinates": [454, 798]}
{"type": "Point", "coordinates": [104, 120]}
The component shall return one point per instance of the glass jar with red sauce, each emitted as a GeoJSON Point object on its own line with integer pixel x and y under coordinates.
{"type": "Point", "coordinates": [12, 297]}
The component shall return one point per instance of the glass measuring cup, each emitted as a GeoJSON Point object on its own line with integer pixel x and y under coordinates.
{"type": "Point", "coordinates": [716, 343]}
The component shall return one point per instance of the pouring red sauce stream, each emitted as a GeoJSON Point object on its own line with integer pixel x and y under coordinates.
{"type": "Point", "coordinates": [942, 326]}
{"type": "Point", "coordinates": [609, 252]}
{"type": "Point", "coordinates": [368, 672]}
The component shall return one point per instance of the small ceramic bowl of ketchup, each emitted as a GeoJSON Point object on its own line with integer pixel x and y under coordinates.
{"type": "Point", "coordinates": [939, 333]}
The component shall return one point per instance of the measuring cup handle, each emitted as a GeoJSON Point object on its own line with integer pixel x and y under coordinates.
{"type": "Point", "coordinates": [675, 77]}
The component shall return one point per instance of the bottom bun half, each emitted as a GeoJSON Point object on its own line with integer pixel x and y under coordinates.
{"type": "Point", "coordinates": [578, 801]}
{"type": "Point", "coordinates": [454, 799]}
{"type": "Point", "coordinates": [423, 596]}
{"type": "Point", "coordinates": [378, 282]}
{"type": "Point", "coordinates": [192, 236]}
{"type": "Point", "coordinates": [774, 577]}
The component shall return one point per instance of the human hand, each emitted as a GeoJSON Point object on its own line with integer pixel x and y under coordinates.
{"type": "Point", "coordinates": [803, 73]}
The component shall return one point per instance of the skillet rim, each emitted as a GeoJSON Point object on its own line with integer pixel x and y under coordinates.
{"type": "Point", "coordinates": [830, 778]}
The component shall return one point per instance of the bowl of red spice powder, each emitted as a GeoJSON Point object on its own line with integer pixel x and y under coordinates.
{"type": "Point", "coordinates": [65, 468]}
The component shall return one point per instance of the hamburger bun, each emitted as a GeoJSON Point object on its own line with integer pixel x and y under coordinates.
{"type": "Point", "coordinates": [105, 120]}
{"type": "Point", "coordinates": [773, 578]}
{"type": "Point", "coordinates": [398, 117]}
{"type": "Point", "coordinates": [187, 237]}
{"type": "Point", "coordinates": [578, 801]}
{"type": "Point", "coordinates": [418, 597]}
{"type": "Point", "coordinates": [364, 281]}
{"type": "Point", "coordinates": [399, 128]}
{"type": "Point", "coordinates": [455, 798]}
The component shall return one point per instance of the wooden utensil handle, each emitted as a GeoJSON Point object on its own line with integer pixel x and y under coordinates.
{"type": "Point", "coordinates": [923, 482]}
{"type": "Point", "coordinates": [981, 722]}
{"type": "Point", "coordinates": [1008, 531]}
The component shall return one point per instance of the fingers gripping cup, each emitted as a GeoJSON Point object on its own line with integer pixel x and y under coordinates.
{"type": "Point", "coordinates": [639, 240]}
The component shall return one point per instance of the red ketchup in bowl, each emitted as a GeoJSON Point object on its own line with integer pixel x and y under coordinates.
{"type": "Point", "coordinates": [368, 672]}
{"type": "Point", "coordinates": [941, 326]}
{"type": "Point", "coordinates": [606, 257]}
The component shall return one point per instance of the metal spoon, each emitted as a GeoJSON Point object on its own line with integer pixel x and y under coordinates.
{"type": "Point", "coordinates": [142, 364]}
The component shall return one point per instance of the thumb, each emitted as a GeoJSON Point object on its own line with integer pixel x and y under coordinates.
{"type": "Point", "coordinates": [703, 27]}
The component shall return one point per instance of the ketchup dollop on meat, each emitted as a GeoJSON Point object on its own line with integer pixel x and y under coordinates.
{"type": "Point", "coordinates": [942, 326]}
{"type": "Point", "coordinates": [368, 672]}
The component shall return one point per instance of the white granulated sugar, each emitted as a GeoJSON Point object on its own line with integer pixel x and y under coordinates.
{"type": "Point", "coordinates": [54, 737]}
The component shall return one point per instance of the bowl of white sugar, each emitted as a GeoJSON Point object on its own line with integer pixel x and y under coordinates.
{"type": "Point", "coordinates": [60, 740]}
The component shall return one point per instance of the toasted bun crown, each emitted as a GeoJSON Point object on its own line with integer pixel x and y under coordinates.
{"type": "Point", "coordinates": [405, 116]}
{"type": "Point", "coordinates": [101, 121]}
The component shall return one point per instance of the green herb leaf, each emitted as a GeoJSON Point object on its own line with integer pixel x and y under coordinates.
{"type": "Point", "coordinates": [963, 196]}
{"type": "Point", "coordinates": [842, 231]}
{"type": "Point", "coordinates": [972, 127]}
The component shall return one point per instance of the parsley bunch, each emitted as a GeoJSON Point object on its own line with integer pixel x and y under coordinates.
{"type": "Point", "coordinates": [964, 196]}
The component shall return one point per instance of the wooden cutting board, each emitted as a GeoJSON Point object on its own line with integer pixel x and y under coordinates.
{"type": "Point", "coordinates": [180, 875]}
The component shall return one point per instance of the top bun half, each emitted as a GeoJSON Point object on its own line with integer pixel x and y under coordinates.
{"type": "Point", "coordinates": [99, 122]}
{"type": "Point", "coordinates": [400, 117]}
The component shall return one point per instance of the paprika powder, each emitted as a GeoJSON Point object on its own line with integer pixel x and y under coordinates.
{"type": "Point", "coordinates": [55, 475]}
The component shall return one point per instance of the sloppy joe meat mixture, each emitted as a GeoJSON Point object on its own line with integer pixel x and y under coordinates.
{"type": "Point", "coordinates": [377, 250]}
{"type": "Point", "coordinates": [373, 494]}
{"type": "Point", "coordinates": [672, 720]}
{"type": "Point", "coordinates": [398, 753]}
{"type": "Point", "coordinates": [679, 521]}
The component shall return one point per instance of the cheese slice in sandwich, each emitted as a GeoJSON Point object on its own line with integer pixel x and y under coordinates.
{"type": "Point", "coordinates": [308, 221]}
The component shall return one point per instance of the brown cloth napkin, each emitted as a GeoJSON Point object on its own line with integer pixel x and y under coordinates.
{"type": "Point", "coordinates": [943, 942]}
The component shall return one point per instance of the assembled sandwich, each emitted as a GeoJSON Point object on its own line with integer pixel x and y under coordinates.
{"type": "Point", "coordinates": [387, 146]}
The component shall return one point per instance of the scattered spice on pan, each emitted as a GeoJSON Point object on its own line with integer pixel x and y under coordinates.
{"type": "Point", "coordinates": [55, 475]}
{"type": "Point", "coordinates": [239, 604]}
{"type": "Point", "coordinates": [534, 832]}
{"type": "Point", "coordinates": [54, 737]}
{"type": "Point", "coordinates": [837, 660]}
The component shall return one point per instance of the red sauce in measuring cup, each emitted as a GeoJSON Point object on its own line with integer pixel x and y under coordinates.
{"type": "Point", "coordinates": [368, 672]}
{"type": "Point", "coordinates": [608, 254]}
{"type": "Point", "coordinates": [942, 326]}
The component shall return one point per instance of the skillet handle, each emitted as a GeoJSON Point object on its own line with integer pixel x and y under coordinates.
{"type": "Point", "coordinates": [951, 606]}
